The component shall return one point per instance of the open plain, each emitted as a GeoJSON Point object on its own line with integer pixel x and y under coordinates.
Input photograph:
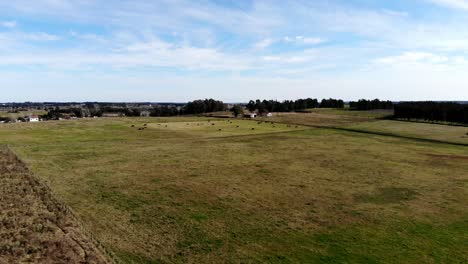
{"type": "Point", "coordinates": [201, 190]}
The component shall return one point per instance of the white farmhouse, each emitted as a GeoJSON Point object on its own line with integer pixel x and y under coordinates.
{"type": "Point", "coordinates": [33, 118]}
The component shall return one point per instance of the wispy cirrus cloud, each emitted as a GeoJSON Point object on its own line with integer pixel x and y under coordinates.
{"type": "Point", "coordinates": [304, 40]}
{"type": "Point", "coordinates": [40, 36]}
{"type": "Point", "coordinates": [414, 57]}
{"type": "Point", "coordinates": [152, 52]}
{"type": "Point", "coordinates": [457, 4]}
{"type": "Point", "coordinates": [8, 24]}
{"type": "Point", "coordinates": [234, 38]}
{"type": "Point", "coordinates": [265, 43]}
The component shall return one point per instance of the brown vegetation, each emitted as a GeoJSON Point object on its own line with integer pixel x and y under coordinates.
{"type": "Point", "coordinates": [34, 227]}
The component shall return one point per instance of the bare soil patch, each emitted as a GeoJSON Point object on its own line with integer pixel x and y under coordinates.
{"type": "Point", "coordinates": [35, 227]}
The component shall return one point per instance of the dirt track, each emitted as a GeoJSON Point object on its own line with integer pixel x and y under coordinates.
{"type": "Point", "coordinates": [35, 227]}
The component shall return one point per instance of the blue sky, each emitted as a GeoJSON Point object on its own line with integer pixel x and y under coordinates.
{"type": "Point", "coordinates": [177, 50]}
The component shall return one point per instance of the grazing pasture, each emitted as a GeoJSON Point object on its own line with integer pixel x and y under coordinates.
{"type": "Point", "coordinates": [371, 114]}
{"type": "Point", "coordinates": [323, 117]}
{"type": "Point", "coordinates": [455, 134]}
{"type": "Point", "coordinates": [204, 190]}
{"type": "Point", "coordinates": [370, 121]}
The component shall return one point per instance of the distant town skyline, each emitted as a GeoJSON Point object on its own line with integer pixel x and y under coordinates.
{"type": "Point", "coordinates": [178, 51]}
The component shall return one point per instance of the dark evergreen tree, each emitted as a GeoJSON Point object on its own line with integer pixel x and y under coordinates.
{"type": "Point", "coordinates": [432, 111]}
{"type": "Point", "coordinates": [331, 103]}
{"type": "Point", "coordinates": [364, 104]}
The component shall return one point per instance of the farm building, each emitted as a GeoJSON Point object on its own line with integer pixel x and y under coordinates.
{"type": "Point", "coordinates": [251, 115]}
{"type": "Point", "coordinates": [269, 114]}
{"type": "Point", "coordinates": [33, 118]}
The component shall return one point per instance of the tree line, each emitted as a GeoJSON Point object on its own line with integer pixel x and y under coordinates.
{"type": "Point", "coordinates": [263, 106]}
{"type": "Point", "coordinates": [203, 106]}
{"type": "Point", "coordinates": [165, 110]}
{"type": "Point", "coordinates": [364, 104]}
{"type": "Point", "coordinates": [89, 110]}
{"type": "Point", "coordinates": [191, 108]}
{"type": "Point", "coordinates": [432, 111]}
{"type": "Point", "coordinates": [331, 103]}
{"type": "Point", "coordinates": [56, 113]}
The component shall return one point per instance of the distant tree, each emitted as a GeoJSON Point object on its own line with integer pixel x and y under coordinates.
{"type": "Point", "coordinates": [78, 112]}
{"type": "Point", "coordinates": [311, 103]}
{"type": "Point", "coordinates": [237, 110]}
{"type": "Point", "coordinates": [165, 110]}
{"type": "Point", "coordinates": [261, 108]}
{"type": "Point", "coordinates": [331, 103]}
{"type": "Point", "coordinates": [285, 106]}
{"type": "Point", "coordinates": [252, 106]}
{"type": "Point", "coordinates": [370, 105]}
{"type": "Point", "coordinates": [432, 111]}
{"type": "Point", "coordinates": [203, 106]}
{"type": "Point", "coordinates": [195, 107]}
{"type": "Point", "coordinates": [95, 112]}
{"type": "Point", "coordinates": [52, 114]}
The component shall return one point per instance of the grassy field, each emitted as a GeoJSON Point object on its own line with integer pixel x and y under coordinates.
{"type": "Point", "coordinates": [370, 121]}
{"type": "Point", "coordinates": [456, 134]}
{"type": "Point", "coordinates": [193, 190]}
{"type": "Point", "coordinates": [321, 117]}
{"type": "Point", "coordinates": [346, 112]}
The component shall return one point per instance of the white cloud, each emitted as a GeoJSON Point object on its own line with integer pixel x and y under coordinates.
{"type": "Point", "coordinates": [304, 40]}
{"type": "Point", "coordinates": [418, 58]}
{"type": "Point", "coordinates": [284, 61]}
{"type": "Point", "coordinates": [395, 13]}
{"type": "Point", "coordinates": [457, 4]}
{"type": "Point", "coordinates": [263, 44]}
{"type": "Point", "coordinates": [204, 38]}
{"type": "Point", "coordinates": [297, 59]}
{"type": "Point", "coordinates": [151, 53]}
{"type": "Point", "coordinates": [8, 24]}
{"type": "Point", "coordinates": [177, 15]}
{"type": "Point", "coordinates": [405, 57]}
{"type": "Point", "coordinates": [313, 41]}
{"type": "Point", "coordinates": [149, 46]}
{"type": "Point", "coordinates": [40, 36]}
{"type": "Point", "coordinates": [271, 58]}
{"type": "Point", "coordinates": [460, 60]}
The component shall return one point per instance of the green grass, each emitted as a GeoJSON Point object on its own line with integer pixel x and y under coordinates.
{"type": "Point", "coordinates": [455, 134]}
{"type": "Point", "coordinates": [279, 194]}
{"type": "Point", "coordinates": [328, 117]}
{"type": "Point", "coordinates": [388, 195]}
{"type": "Point", "coordinates": [372, 114]}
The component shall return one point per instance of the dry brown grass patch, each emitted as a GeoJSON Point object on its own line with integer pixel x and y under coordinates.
{"type": "Point", "coordinates": [33, 226]}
